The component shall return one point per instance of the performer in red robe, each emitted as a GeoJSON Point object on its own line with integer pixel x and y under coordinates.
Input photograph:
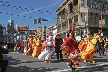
{"type": "Point", "coordinates": [71, 43]}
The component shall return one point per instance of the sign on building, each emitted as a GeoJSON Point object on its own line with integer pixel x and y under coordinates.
{"type": "Point", "coordinates": [102, 22]}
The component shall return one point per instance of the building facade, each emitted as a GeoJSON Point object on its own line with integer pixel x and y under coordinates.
{"type": "Point", "coordinates": [52, 30]}
{"type": "Point", "coordinates": [41, 32]}
{"type": "Point", "coordinates": [11, 30]}
{"type": "Point", "coordinates": [84, 14]}
{"type": "Point", "coordinates": [22, 33]}
{"type": "Point", "coordinates": [10, 24]}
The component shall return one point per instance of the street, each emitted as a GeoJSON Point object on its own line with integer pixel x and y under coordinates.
{"type": "Point", "coordinates": [21, 63]}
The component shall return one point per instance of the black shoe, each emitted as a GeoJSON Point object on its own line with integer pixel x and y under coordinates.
{"type": "Point", "coordinates": [61, 60]}
{"type": "Point", "coordinates": [103, 55]}
{"type": "Point", "coordinates": [58, 59]}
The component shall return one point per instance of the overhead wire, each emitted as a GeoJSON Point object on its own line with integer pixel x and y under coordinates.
{"type": "Point", "coordinates": [20, 8]}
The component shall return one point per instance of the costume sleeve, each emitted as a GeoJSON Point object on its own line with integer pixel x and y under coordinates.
{"type": "Point", "coordinates": [43, 46]}
{"type": "Point", "coordinates": [38, 42]}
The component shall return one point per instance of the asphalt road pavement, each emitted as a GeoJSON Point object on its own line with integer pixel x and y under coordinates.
{"type": "Point", "coordinates": [21, 63]}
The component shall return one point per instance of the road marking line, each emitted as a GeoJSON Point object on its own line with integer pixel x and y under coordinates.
{"type": "Point", "coordinates": [13, 52]}
{"type": "Point", "coordinates": [81, 67]}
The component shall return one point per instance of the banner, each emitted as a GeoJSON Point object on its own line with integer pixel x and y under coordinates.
{"type": "Point", "coordinates": [102, 22]}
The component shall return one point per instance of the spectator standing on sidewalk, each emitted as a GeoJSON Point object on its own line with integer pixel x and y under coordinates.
{"type": "Point", "coordinates": [101, 48]}
{"type": "Point", "coordinates": [58, 43]}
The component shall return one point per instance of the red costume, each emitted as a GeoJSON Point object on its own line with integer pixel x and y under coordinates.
{"type": "Point", "coordinates": [71, 43]}
{"type": "Point", "coordinates": [22, 44]}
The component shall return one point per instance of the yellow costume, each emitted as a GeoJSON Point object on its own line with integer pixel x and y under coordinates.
{"type": "Point", "coordinates": [64, 51]}
{"type": "Point", "coordinates": [84, 43]}
{"type": "Point", "coordinates": [30, 50]}
{"type": "Point", "coordinates": [37, 48]}
{"type": "Point", "coordinates": [15, 48]}
{"type": "Point", "coordinates": [91, 48]}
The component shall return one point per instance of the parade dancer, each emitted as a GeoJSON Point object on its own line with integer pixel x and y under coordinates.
{"type": "Point", "coordinates": [30, 47]}
{"type": "Point", "coordinates": [18, 47]}
{"type": "Point", "coordinates": [71, 43]}
{"type": "Point", "coordinates": [74, 60]}
{"type": "Point", "coordinates": [106, 46]}
{"type": "Point", "coordinates": [25, 47]}
{"type": "Point", "coordinates": [48, 50]}
{"type": "Point", "coordinates": [83, 45]}
{"type": "Point", "coordinates": [37, 47]}
{"type": "Point", "coordinates": [91, 49]}
{"type": "Point", "coordinates": [72, 46]}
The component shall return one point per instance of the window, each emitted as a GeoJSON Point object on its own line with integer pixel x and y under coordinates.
{"type": "Point", "coordinates": [70, 7]}
{"type": "Point", "coordinates": [83, 31]}
{"type": "Point", "coordinates": [70, 21]}
{"type": "Point", "coordinates": [83, 16]}
{"type": "Point", "coordinates": [97, 18]}
{"type": "Point", "coordinates": [107, 7]}
{"type": "Point", "coordinates": [94, 5]}
{"type": "Point", "coordinates": [107, 20]}
{"type": "Point", "coordinates": [75, 2]}
{"type": "Point", "coordinates": [90, 17]}
{"type": "Point", "coordinates": [103, 5]}
{"type": "Point", "coordinates": [90, 3]}
{"type": "Point", "coordinates": [57, 18]}
{"type": "Point", "coordinates": [76, 18]}
{"type": "Point", "coordinates": [82, 3]}
{"type": "Point", "coordinates": [93, 17]}
{"type": "Point", "coordinates": [98, 3]}
{"type": "Point", "coordinates": [63, 13]}
{"type": "Point", "coordinates": [64, 26]}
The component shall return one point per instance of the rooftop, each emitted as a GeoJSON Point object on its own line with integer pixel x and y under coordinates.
{"type": "Point", "coordinates": [10, 20]}
{"type": "Point", "coordinates": [62, 5]}
{"type": "Point", "coordinates": [20, 28]}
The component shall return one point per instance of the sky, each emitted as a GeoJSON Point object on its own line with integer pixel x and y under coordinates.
{"type": "Point", "coordinates": [23, 12]}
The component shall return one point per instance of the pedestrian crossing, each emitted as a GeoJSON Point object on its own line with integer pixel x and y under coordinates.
{"type": "Point", "coordinates": [66, 70]}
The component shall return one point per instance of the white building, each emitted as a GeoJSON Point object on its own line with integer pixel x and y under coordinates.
{"type": "Point", "coordinates": [54, 31]}
{"type": "Point", "coordinates": [41, 32]}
